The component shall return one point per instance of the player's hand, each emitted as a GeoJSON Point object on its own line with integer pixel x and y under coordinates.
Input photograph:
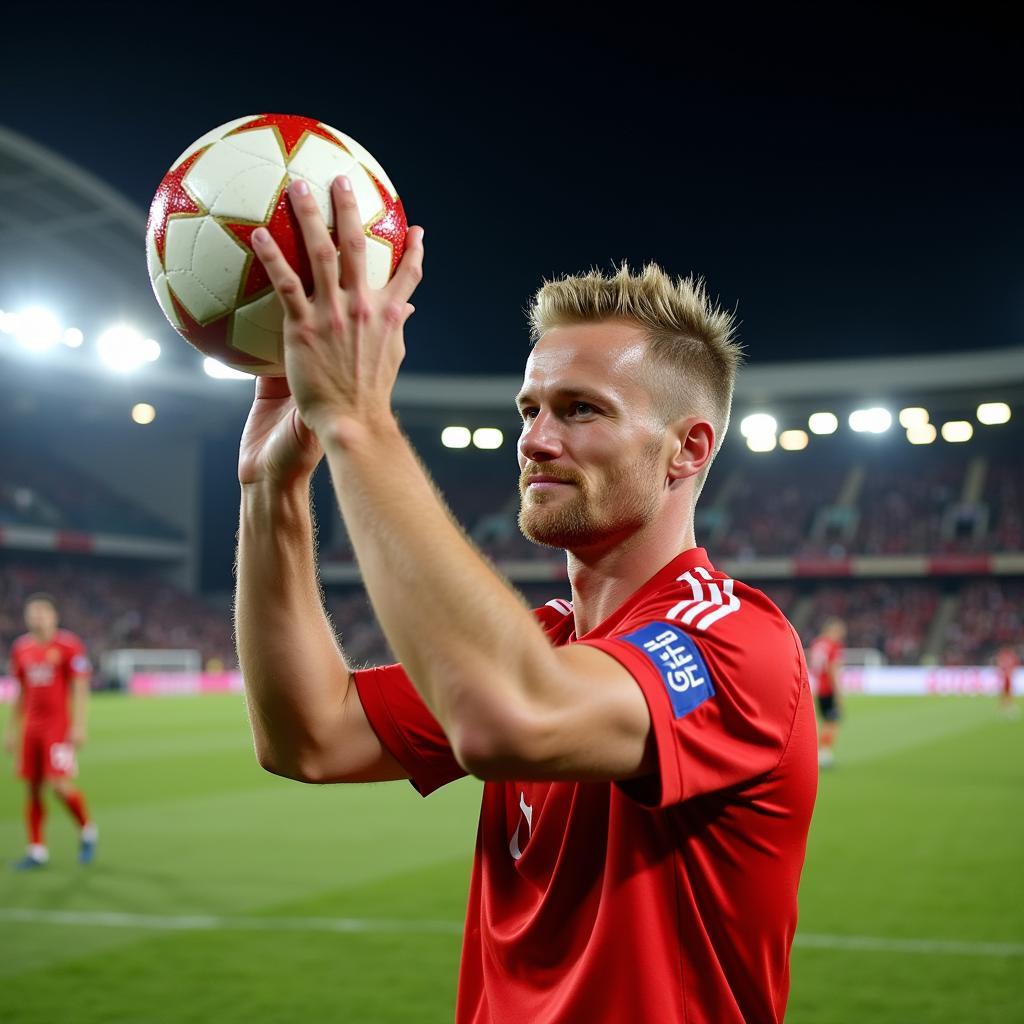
{"type": "Point", "coordinates": [10, 744]}
{"type": "Point", "coordinates": [276, 446]}
{"type": "Point", "coordinates": [344, 345]}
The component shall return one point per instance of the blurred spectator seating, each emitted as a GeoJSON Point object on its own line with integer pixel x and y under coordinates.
{"type": "Point", "coordinates": [111, 608]}
{"type": "Point", "coordinates": [891, 617]}
{"type": "Point", "coordinates": [46, 492]}
{"type": "Point", "coordinates": [990, 615]}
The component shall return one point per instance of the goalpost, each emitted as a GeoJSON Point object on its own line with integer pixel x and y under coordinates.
{"type": "Point", "coordinates": [118, 667]}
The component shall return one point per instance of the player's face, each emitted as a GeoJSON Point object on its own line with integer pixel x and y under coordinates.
{"type": "Point", "coordinates": [591, 449]}
{"type": "Point", "coordinates": [40, 617]}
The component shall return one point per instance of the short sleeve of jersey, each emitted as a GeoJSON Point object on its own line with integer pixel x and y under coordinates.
{"type": "Point", "coordinates": [406, 728]}
{"type": "Point", "coordinates": [722, 687]}
{"type": "Point", "coordinates": [77, 658]}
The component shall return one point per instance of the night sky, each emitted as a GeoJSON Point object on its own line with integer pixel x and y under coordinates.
{"type": "Point", "coordinates": [853, 186]}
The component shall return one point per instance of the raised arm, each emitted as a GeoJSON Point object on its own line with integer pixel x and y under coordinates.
{"type": "Point", "coordinates": [510, 705]}
{"type": "Point", "coordinates": [306, 717]}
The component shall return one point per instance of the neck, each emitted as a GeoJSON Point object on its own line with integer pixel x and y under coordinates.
{"type": "Point", "coordinates": [43, 636]}
{"type": "Point", "coordinates": [602, 578]}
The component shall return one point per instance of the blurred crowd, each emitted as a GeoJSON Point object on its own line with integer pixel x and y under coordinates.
{"type": "Point", "coordinates": [112, 608]}
{"type": "Point", "coordinates": [910, 502]}
{"type": "Point", "coordinates": [815, 505]}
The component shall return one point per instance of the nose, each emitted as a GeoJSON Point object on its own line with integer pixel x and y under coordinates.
{"type": "Point", "coordinates": [540, 440]}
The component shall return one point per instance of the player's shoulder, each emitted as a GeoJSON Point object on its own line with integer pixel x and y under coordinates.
{"type": "Point", "coordinates": [553, 614]}
{"type": "Point", "coordinates": [68, 639]}
{"type": "Point", "coordinates": [709, 602]}
{"type": "Point", "coordinates": [21, 643]}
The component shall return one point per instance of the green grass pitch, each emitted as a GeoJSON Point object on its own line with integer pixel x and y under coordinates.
{"type": "Point", "coordinates": [223, 894]}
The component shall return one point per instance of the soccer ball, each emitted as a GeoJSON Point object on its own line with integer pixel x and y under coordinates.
{"type": "Point", "coordinates": [208, 281]}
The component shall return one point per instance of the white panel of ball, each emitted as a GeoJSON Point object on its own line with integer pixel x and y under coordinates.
{"type": "Point", "coordinates": [227, 181]}
{"type": "Point", "coordinates": [202, 242]}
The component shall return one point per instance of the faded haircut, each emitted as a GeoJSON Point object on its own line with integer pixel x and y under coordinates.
{"type": "Point", "coordinates": [690, 335]}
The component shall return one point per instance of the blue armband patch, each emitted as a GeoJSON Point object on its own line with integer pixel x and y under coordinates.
{"type": "Point", "coordinates": [678, 659]}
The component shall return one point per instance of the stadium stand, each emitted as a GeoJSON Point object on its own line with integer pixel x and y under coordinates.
{"type": "Point", "coordinates": [42, 490]}
{"type": "Point", "coordinates": [990, 615]}
{"type": "Point", "coordinates": [115, 606]}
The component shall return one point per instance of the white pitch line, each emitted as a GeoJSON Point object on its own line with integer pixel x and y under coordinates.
{"type": "Point", "coordinates": [873, 944]}
{"type": "Point", "coordinates": [357, 925]}
{"type": "Point", "coordinates": [212, 922]}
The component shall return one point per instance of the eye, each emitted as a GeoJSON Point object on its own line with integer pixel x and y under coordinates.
{"type": "Point", "coordinates": [582, 408]}
{"type": "Point", "coordinates": [528, 412]}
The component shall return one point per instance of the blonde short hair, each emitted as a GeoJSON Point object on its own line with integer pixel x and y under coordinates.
{"type": "Point", "coordinates": [690, 335]}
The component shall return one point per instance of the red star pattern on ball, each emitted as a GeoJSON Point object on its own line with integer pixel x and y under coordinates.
{"type": "Point", "coordinates": [389, 226]}
{"type": "Point", "coordinates": [172, 200]}
{"type": "Point", "coordinates": [212, 339]}
{"type": "Point", "coordinates": [284, 228]}
{"type": "Point", "coordinates": [291, 130]}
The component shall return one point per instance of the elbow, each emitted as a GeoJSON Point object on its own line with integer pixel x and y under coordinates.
{"type": "Point", "coordinates": [297, 768]}
{"type": "Point", "coordinates": [496, 748]}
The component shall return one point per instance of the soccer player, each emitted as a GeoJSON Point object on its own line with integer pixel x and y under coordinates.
{"type": "Point", "coordinates": [53, 671]}
{"type": "Point", "coordinates": [825, 661]}
{"type": "Point", "coordinates": [1007, 662]}
{"type": "Point", "coordinates": [647, 749]}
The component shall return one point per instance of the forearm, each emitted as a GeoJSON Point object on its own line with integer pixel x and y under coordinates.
{"type": "Point", "coordinates": [14, 720]}
{"type": "Point", "coordinates": [470, 646]}
{"type": "Point", "coordinates": [79, 707]}
{"type": "Point", "coordinates": [296, 678]}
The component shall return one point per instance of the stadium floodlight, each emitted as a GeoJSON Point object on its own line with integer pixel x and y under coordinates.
{"type": "Point", "coordinates": [913, 416]}
{"type": "Point", "coordinates": [36, 328]}
{"type": "Point", "coordinates": [456, 437]}
{"type": "Point", "coordinates": [875, 420]}
{"type": "Point", "coordinates": [488, 438]}
{"type": "Point", "coordinates": [761, 442]}
{"type": "Point", "coordinates": [793, 440]}
{"type": "Point", "coordinates": [758, 423]}
{"type": "Point", "coordinates": [123, 349]}
{"type": "Point", "coordinates": [991, 413]}
{"type": "Point", "coordinates": [216, 369]}
{"type": "Point", "coordinates": [921, 433]}
{"type": "Point", "coordinates": [73, 337]}
{"type": "Point", "coordinates": [957, 431]}
{"type": "Point", "coordinates": [823, 422]}
{"type": "Point", "coordinates": [143, 413]}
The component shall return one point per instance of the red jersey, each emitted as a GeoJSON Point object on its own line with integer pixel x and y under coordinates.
{"type": "Point", "coordinates": [1007, 663]}
{"type": "Point", "coordinates": [655, 901]}
{"type": "Point", "coordinates": [824, 660]}
{"type": "Point", "coordinates": [45, 672]}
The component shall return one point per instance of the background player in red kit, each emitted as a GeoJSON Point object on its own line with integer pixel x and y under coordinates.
{"type": "Point", "coordinates": [825, 661]}
{"type": "Point", "coordinates": [1007, 662]}
{"type": "Point", "coordinates": [53, 671]}
{"type": "Point", "coordinates": [648, 749]}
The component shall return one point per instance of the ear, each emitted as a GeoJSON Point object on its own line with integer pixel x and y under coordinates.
{"type": "Point", "coordinates": [693, 444]}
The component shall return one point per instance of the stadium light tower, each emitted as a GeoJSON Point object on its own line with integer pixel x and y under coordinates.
{"type": "Point", "coordinates": [124, 349]}
{"type": "Point", "coordinates": [488, 438]}
{"type": "Point", "coordinates": [991, 413]}
{"type": "Point", "coordinates": [35, 328]}
{"type": "Point", "coordinates": [823, 422]}
{"type": "Point", "coordinates": [456, 437]}
{"type": "Point", "coordinates": [875, 420]}
{"type": "Point", "coordinates": [913, 416]}
{"type": "Point", "coordinates": [957, 431]}
{"type": "Point", "coordinates": [921, 433]}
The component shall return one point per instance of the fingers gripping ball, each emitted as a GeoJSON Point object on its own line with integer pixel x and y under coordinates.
{"type": "Point", "coordinates": [227, 184]}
